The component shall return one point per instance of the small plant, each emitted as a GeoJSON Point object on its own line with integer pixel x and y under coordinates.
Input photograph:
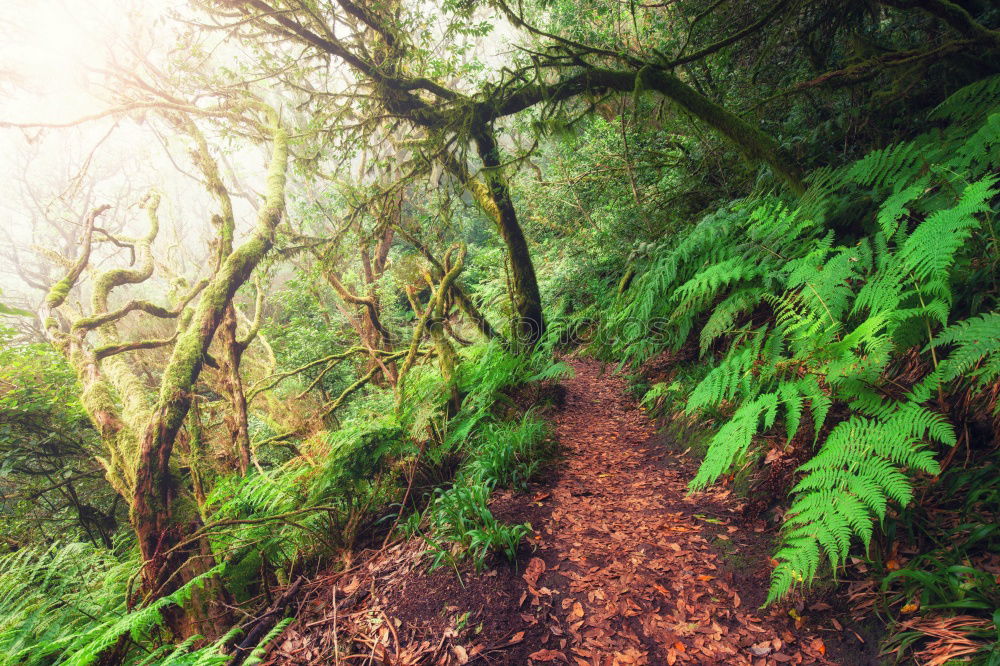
{"type": "Point", "coordinates": [511, 453]}
{"type": "Point", "coordinates": [460, 515]}
{"type": "Point", "coordinates": [951, 581]}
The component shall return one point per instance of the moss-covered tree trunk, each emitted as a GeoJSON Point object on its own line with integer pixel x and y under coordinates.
{"type": "Point", "coordinates": [236, 420]}
{"type": "Point", "coordinates": [162, 515]}
{"type": "Point", "coordinates": [493, 195]}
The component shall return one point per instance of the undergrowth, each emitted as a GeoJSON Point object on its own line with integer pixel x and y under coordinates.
{"type": "Point", "coordinates": [842, 336]}
{"type": "Point", "coordinates": [66, 603]}
{"type": "Point", "coordinates": [499, 453]}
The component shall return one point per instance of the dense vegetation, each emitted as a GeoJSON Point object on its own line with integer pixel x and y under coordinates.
{"type": "Point", "coordinates": [780, 220]}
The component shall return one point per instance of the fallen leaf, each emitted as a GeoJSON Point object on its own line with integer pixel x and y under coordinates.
{"type": "Point", "coordinates": [818, 645]}
{"type": "Point", "coordinates": [535, 568]}
{"type": "Point", "coordinates": [547, 655]}
{"type": "Point", "coordinates": [460, 654]}
{"type": "Point", "coordinates": [517, 638]}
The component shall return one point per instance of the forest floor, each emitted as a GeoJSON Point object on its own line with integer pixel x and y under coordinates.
{"type": "Point", "coordinates": [624, 567]}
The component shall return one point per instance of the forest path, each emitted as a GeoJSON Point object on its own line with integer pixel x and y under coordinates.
{"type": "Point", "coordinates": [630, 567]}
{"type": "Point", "coordinates": [624, 567]}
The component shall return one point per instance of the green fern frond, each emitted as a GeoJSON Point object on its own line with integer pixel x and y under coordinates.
{"type": "Point", "coordinates": [894, 207]}
{"type": "Point", "coordinates": [932, 246]}
{"type": "Point", "coordinates": [886, 167]}
{"type": "Point", "coordinates": [725, 314]}
{"type": "Point", "coordinates": [970, 102]}
{"type": "Point", "coordinates": [722, 382]}
{"type": "Point", "coordinates": [734, 438]}
{"type": "Point", "coordinates": [972, 340]}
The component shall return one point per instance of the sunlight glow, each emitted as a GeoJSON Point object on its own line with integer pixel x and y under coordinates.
{"type": "Point", "coordinates": [49, 52]}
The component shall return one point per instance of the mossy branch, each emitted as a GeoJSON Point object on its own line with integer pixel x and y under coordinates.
{"type": "Point", "coordinates": [60, 290]}
{"type": "Point", "coordinates": [457, 292]}
{"type": "Point", "coordinates": [954, 15]}
{"type": "Point", "coordinates": [117, 277]}
{"type": "Point", "coordinates": [330, 406]}
{"type": "Point", "coordinates": [114, 349]}
{"type": "Point", "coordinates": [433, 306]}
{"type": "Point", "coordinates": [95, 321]}
{"type": "Point", "coordinates": [258, 318]}
{"type": "Point", "coordinates": [268, 383]}
{"type": "Point", "coordinates": [867, 69]}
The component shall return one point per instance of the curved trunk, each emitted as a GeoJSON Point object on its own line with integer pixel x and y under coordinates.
{"type": "Point", "coordinates": [162, 514]}
{"type": "Point", "coordinates": [493, 196]}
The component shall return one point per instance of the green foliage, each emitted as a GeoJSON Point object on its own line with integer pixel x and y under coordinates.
{"type": "Point", "coordinates": [11, 311]}
{"type": "Point", "coordinates": [509, 454]}
{"type": "Point", "coordinates": [65, 604]}
{"type": "Point", "coordinates": [975, 352]}
{"type": "Point", "coordinates": [488, 371]}
{"type": "Point", "coordinates": [50, 597]}
{"type": "Point", "coordinates": [51, 479]}
{"type": "Point", "coordinates": [300, 510]}
{"type": "Point", "coordinates": [951, 573]}
{"type": "Point", "coordinates": [495, 453]}
{"type": "Point", "coordinates": [460, 515]}
{"type": "Point", "coordinates": [841, 321]}
{"type": "Point", "coordinates": [812, 323]}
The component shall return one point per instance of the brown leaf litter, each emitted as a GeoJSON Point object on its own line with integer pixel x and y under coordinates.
{"type": "Point", "coordinates": [624, 567]}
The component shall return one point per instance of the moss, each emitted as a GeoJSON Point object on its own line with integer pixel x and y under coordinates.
{"type": "Point", "coordinates": [753, 143]}
{"type": "Point", "coordinates": [135, 395]}
{"type": "Point", "coordinates": [481, 193]}
{"type": "Point", "coordinates": [58, 293]}
{"type": "Point", "coordinates": [157, 513]}
{"type": "Point", "coordinates": [98, 398]}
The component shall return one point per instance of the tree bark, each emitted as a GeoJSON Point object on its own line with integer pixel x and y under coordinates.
{"type": "Point", "coordinates": [494, 197]}
{"type": "Point", "coordinates": [236, 421]}
{"type": "Point", "coordinates": [160, 515]}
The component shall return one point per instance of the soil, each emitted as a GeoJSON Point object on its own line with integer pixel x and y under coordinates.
{"type": "Point", "coordinates": [624, 567]}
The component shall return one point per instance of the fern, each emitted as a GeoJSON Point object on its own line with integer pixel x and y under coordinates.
{"type": "Point", "coordinates": [725, 314]}
{"type": "Point", "coordinates": [930, 250]}
{"type": "Point", "coordinates": [973, 341]}
{"type": "Point", "coordinates": [841, 315]}
{"type": "Point", "coordinates": [734, 438]}
{"type": "Point", "coordinates": [887, 167]}
{"type": "Point", "coordinates": [723, 381]}
{"type": "Point", "coordinates": [848, 485]}
{"type": "Point", "coordinates": [971, 102]}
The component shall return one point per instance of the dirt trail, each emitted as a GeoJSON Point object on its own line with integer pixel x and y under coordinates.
{"type": "Point", "coordinates": [625, 568]}
{"type": "Point", "coordinates": [628, 554]}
